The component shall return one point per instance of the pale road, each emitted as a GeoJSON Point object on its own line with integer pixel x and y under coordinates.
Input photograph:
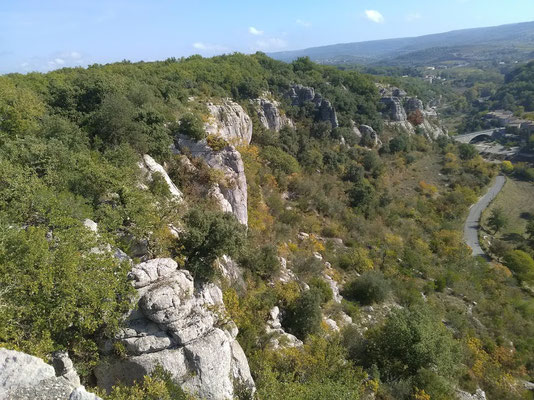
{"type": "Point", "coordinates": [472, 223]}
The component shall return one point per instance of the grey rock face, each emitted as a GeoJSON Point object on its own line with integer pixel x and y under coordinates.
{"type": "Point", "coordinates": [393, 108]}
{"type": "Point", "coordinates": [181, 328]}
{"type": "Point", "coordinates": [278, 337]}
{"type": "Point", "coordinates": [355, 129]}
{"type": "Point", "coordinates": [229, 161]}
{"type": "Point", "coordinates": [269, 114]}
{"type": "Point", "coordinates": [231, 271]}
{"type": "Point", "coordinates": [149, 167]}
{"type": "Point", "coordinates": [229, 121]}
{"type": "Point", "coordinates": [63, 367]}
{"type": "Point", "coordinates": [478, 395]}
{"type": "Point", "coordinates": [19, 370]}
{"type": "Point", "coordinates": [334, 287]}
{"type": "Point", "coordinates": [413, 104]}
{"type": "Point", "coordinates": [395, 91]}
{"type": "Point", "coordinates": [432, 129]}
{"type": "Point", "coordinates": [300, 95]}
{"type": "Point", "coordinates": [24, 377]}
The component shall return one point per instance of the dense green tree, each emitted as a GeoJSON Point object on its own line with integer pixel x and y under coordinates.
{"type": "Point", "coordinates": [467, 151]}
{"type": "Point", "coordinates": [209, 235]}
{"type": "Point", "coordinates": [410, 340]}
{"type": "Point", "coordinates": [57, 292]}
{"type": "Point", "coordinates": [497, 220]}
{"type": "Point", "coordinates": [371, 287]}
{"type": "Point", "coordinates": [304, 316]}
{"type": "Point", "coordinates": [521, 263]}
{"type": "Point", "coordinates": [191, 125]}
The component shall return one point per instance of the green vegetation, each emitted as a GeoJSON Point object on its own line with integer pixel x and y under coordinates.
{"type": "Point", "coordinates": [369, 288]}
{"type": "Point", "coordinates": [497, 220]}
{"type": "Point", "coordinates": [516, 208]}
{"type": "Point", "coordinates": [70, 144]}
{"type": "Point", "coordinates": [521, 263]}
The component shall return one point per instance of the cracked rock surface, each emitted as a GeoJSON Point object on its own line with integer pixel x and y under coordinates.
{"type": "Point", "coordinates": [181, 327]}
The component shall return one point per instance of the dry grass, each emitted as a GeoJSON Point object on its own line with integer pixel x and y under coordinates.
{"type": "Point", "coordinates": [404, 180]}
{"type": "Point", "coordinates": [517, 201]}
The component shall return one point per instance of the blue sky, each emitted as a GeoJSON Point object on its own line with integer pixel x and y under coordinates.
{"type": "Point", "coordinates": [39, 35]}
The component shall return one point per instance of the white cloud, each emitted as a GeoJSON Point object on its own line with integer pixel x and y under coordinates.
{"type": "Point", "coordinates": [271, 44]}
{"type": "Point", "coordinates": [374, 16]}
{"type": "Point", "coordinates": [75, 55]}
{"type": "Point", "coordinates": [413, 17]}
{"type": "Point", "coordinates": [305, 24]}
{"type": "Point", "coordinates": [59, 61]}
{"type": "Point", "coordinates": [254, 31]}
{"type": "Point", "coordinates": [209, 47]}
{"type": "Point", "coordinates": [199, 46]}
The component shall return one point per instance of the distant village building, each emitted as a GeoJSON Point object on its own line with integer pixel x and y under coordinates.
{"type": "Point", "coordinates": [500, 117]}
{"type": "Point", "coordinates": [507, 119]}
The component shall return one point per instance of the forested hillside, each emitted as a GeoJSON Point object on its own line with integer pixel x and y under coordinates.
{"type": "Point", "coordinates": [293, 226]}
{"type": "Point", "coordinates": [510, 42]}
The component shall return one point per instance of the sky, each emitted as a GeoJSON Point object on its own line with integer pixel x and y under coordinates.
{"type": "Point", "coordinates": [41, 35]}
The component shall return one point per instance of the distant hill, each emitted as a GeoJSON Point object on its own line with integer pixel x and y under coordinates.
{"type": "Point", "coordinates": [502, 43]}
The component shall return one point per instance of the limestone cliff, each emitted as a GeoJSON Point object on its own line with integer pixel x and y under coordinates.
{"type": "Point", "coordinates": [228, 120]}
{"type": "Point", "coordinates": [324, 110]}
{"type": "Point", "coordinates": [227, 160]}
{"type": "Point", "coordinates": [181, 327]}
{"type": "Point", "coordinates": [269, 114]}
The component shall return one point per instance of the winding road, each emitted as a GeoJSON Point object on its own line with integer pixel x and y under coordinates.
{"type": "Point", "coordinates": [472, 223]}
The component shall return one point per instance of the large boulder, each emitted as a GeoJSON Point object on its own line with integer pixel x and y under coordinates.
{"type": "Point", "coordinates": [232, 196]}
{"type": "Point", "coordinates": [230, 121]}
{"type": "Point", "coordinates": [181, 327]}
{"type": "Point", "coordinates": [269, 114]}
{"type": "Point", "coordinates": [24, 377]}
{"type": "Point", "coordinates": [369, 136]}
{"type": "Point", "coordinates": [300, 95]}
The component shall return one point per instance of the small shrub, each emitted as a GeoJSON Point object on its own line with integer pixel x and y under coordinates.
{"type": "Point", "coordinates": [371, 287]}
{"type": "Point", "coordinates": [216, 143]}
{"type": "Point", "coordinates": [521, 263]}
{"type": "Point", "coordinates": [323, 288]}
{"type": "Point", "coordinates": [191, 125]}
{"type": "Point", "coordinates": [304, 316]}
{"type": "Point", "coordinates": [264, 262]}
{"type": "Point", "coordinates": [158, 185]}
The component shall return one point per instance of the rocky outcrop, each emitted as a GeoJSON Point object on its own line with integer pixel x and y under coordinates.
{"type": "Point", "coordinates": [278, 337]}
{"type": "Point", "coordinates": [228, 160]}
{"type": "Point", "coordinates": [231, 271]}
{"type": "Point", "coordinates": [300, 95]}
{"type": "Point", "coordinates": [395, 91]}
{"type": "Point", "coordinates": [413, 104]}
{"type": "Point", "coordinates": [478, 395]}
{"type": "Point", "coordinates": [397, 109]}
{"type": "Point", "coordinates": [269, 114]}
{"type": "Point", "coordinates": [336, 296]}
{"type": "Point", "coordinates": [369, 136]}
{"type": "Point", "coordinates": [393, 108]}
{"type": "Point", "coordinates": [181, 327]}
{"type": "Point", "coordinates": [386, 90]}
{"type": "Point", "coordinates": [432, 128]}
{"type": "Point", "coordinates": [24, 377]}
{"type": "Point", "coordinates": [149, 167]}
{"type": "Point", "coordinates": [230, 121]}
{"type": "Point", "coordinates": [355, 129]}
